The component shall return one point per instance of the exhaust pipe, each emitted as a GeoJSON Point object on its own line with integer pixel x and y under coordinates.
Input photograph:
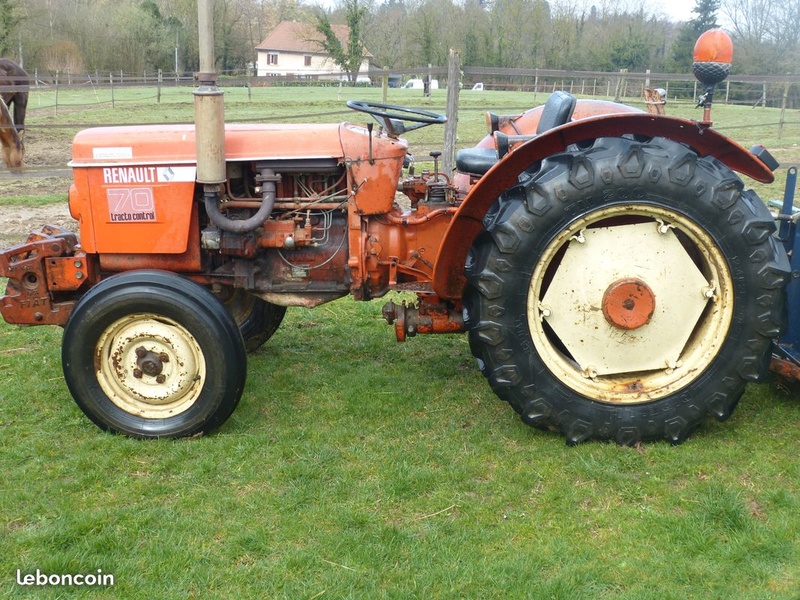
{"type": "Point", "coordinates": [209, 131]}
{"type": "Point", "coordinates": [209, 108]}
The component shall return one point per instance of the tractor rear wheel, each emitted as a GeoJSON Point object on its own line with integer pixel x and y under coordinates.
{"type": "Point", "coordinates": [151, 354]}
{"type": "Point", "coordinates": [624, 290]}
{"type": "Point", "coordinates": [258, 320]}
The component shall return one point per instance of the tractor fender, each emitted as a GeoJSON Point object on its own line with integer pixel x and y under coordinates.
{"type": "Point", "coordinates": [467, 223]}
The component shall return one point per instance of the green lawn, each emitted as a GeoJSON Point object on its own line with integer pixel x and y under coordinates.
{"type": "Point", "coordinates": [356, 467]}
{"type": "Point", "coordinates": [359, 468]}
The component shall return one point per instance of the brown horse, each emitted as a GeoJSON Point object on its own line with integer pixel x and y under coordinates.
{"type": "Point", "coordinates": [14, 86]}
{"type": "Point", "coordinates": [11, 146]}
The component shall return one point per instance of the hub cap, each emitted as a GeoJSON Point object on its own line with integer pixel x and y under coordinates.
{"type": "Point", "coordinates": [150, 366]}
{"type": "Point", "coordinates": [630, 303]}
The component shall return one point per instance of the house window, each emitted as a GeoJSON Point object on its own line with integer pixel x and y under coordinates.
{"type": "Point", "coordinates": [307, 60]}
{"type": "Point", "coordinates": [272, 58]}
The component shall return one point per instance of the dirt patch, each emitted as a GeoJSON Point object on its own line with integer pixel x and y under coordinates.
{"type": "Point", "coordinates": [46, 171]}
{"type": "Point", "coordinates": [47, 153]}
{"type": "Point", "coordinates": [47, 148]}
{"type": "Point", "coordinates": [34, 184]}
{"type": "Point", "coordinates": [16, 222]}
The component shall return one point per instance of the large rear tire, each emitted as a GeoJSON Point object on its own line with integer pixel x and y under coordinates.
{"type": "Point", "coordinates": [258, 320]}
{"type": "Point", "coordinates": [624, 290]}
{"type": "Point", "coordinates": [151, 354]}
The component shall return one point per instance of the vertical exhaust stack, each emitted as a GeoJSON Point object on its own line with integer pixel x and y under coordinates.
{"type": "Point", "coordinates": [209, 108]}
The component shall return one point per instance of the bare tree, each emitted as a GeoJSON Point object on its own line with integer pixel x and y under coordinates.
{"type": "Point", "coordinates": [765, 33]}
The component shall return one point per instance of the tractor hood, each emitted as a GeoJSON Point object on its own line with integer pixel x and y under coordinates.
{"type": "Point", "coordinates": [175, 144]}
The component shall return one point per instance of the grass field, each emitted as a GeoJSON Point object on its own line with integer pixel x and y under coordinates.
{"type": "Point", "coordinates": [359, 468]}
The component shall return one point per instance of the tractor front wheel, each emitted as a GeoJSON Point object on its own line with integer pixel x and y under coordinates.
{"type": "Point", "coordinates": [151, 354]}
{"type": "Point", "coordinates": [624, 290]}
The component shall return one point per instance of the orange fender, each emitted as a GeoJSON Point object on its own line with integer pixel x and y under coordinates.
{"type": "Point", "coordinates": [448, 275]}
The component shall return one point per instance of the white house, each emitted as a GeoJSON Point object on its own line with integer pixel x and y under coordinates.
{"type": "Point", "coordinates": [293, 49]}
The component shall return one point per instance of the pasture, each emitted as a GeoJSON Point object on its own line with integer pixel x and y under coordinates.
{"type": "Point", "coordinates": [359, 468]}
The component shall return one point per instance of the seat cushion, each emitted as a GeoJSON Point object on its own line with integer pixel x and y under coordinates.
{"type": "Point", "coordinates": [476, 160]}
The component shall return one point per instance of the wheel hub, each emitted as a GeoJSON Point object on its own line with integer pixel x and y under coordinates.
{"type": "Point", "coordinates": [156, 368]}
{"type": "Point", "coordinates": [149, 362]}
{"type": "Point", "coordinates": [598, 302]}
{"type": "Point", "coordinates": [629, 304]}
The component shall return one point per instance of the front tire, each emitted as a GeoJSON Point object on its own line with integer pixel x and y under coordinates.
{"type": "Point", "coordinates": [151, 354]}
{"type": "Point", "coordinates": [624, 291]}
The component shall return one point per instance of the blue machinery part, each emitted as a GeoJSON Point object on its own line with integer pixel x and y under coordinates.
{"type": "Point", "coordinates": [786, 359]}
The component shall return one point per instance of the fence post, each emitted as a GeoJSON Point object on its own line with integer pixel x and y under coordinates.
{"type": "Point", "coordinates": [56, 93]}
{"type": "Point", "coordinates": [111, 83]}
{"type": "Point", "coordinates": [385, 85]}
{"type": "Point", "coordinates": [426, 90]}
{"type": "Point", "coordinates": [783, 108]}
{"type": "Point", "coordinates": [764, 95]}
{"type": "Point", "coordinates": [619, 89]}
{"type": "Point", "coordinates": [450, 128]}
{"type": "Point", "coordinates": [158, 93]}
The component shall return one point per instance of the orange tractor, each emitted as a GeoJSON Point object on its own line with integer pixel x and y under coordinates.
{"type": "Point", "coordinates": [614, 277]}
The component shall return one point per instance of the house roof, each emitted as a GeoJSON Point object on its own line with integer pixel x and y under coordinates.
{"type": "Point", "coordinates": [293, 36]}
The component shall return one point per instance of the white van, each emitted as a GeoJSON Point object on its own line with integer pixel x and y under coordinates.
{"type": "Point", "coordinates": [418, 84]}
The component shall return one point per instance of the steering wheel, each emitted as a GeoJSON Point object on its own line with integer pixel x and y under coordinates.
{"type": "Point", "coordinates": [393, 118]}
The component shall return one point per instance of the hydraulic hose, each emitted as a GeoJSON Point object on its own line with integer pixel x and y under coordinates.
{"type": "Point", "coordinates": [268, 193]}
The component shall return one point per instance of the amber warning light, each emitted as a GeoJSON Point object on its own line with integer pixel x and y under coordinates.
{"type": "Point", "coordinates": [713, 54]}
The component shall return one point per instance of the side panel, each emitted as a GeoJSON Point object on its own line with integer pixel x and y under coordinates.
{"type": "Point", "coordinates": [184, 262]}
{"type": "Point", "coordinates": [448, 277]}
{"type": "Point", "coordinates": [143, 209]}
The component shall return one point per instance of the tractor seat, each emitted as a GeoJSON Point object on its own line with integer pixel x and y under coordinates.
{"type": "Point", "coordinates": [476, 161]}
{"type": "Point", "coordinates": [557, 110]}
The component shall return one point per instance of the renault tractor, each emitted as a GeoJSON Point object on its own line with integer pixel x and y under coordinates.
{"type": "Point", "coordinates": [615, 278]}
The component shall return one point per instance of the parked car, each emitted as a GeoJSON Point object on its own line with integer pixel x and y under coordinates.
{"type": "Point", "coordinates": [419, 84]}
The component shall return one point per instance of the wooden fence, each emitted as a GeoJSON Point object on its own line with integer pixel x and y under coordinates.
{"type": "Point", "coordinates": [752, 90]}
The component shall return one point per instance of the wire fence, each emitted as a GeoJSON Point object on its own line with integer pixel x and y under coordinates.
{"type": "Point", "coordinates": [64, 91]}
{"type": "Point", "coordinates": [750, 90]}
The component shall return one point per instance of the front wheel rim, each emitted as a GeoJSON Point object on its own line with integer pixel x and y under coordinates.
{"type": "Point", "coordinates": [150, 366]}
{"type": "Point", "coordinates": [675, 268]}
